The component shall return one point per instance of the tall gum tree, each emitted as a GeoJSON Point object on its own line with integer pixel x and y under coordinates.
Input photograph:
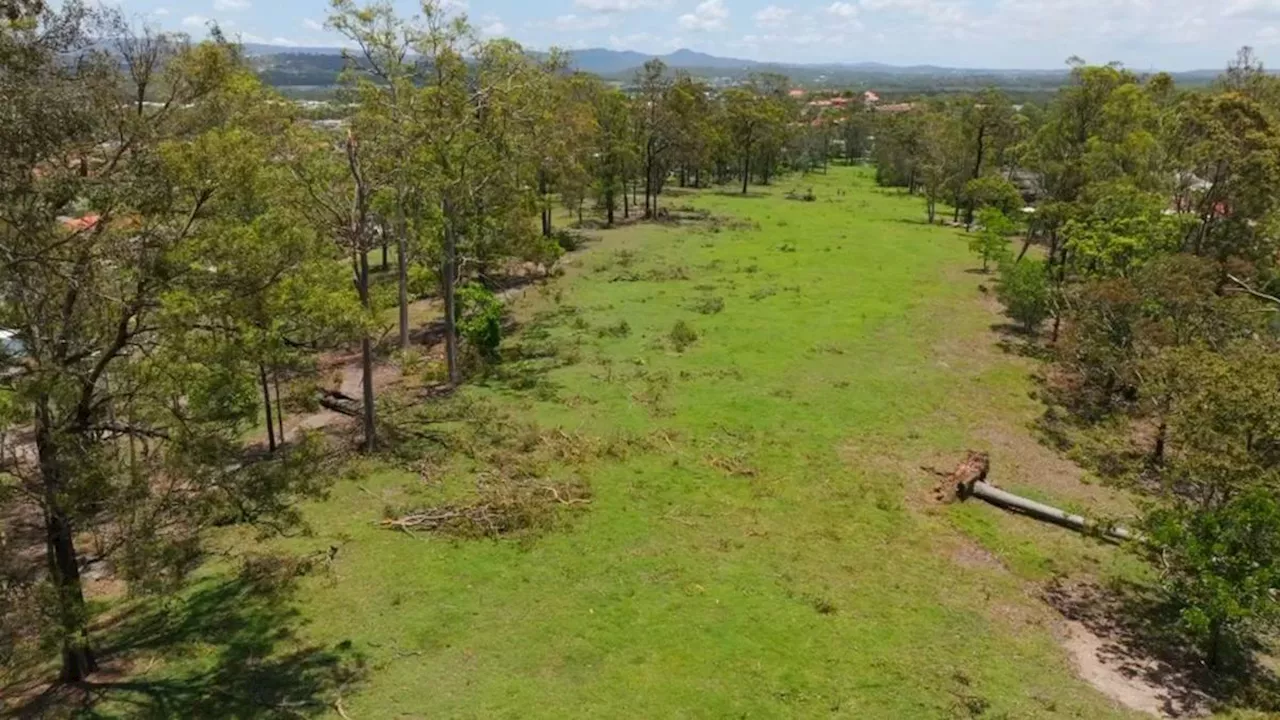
{"type": "Point", "coordinates": [111, 169]}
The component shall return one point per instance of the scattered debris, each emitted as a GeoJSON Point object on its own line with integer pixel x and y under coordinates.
{"type": "Point", "coordinates": [503, 509]}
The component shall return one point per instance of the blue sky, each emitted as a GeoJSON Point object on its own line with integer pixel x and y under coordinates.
{"type": "Point", "coordinates": [1144, 34]}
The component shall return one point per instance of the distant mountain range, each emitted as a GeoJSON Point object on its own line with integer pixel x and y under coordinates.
{"type": "Point", "coordinates": [318, 66]}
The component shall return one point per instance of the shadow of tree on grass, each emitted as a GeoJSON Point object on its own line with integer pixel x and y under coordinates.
{"type": "Point", "coordinates": [229, 648]}
{"type": "Point", "coordinates": [1138, 629]}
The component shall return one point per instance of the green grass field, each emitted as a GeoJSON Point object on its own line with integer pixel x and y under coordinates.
{"type": "Point", "coordinates": [761, 540]}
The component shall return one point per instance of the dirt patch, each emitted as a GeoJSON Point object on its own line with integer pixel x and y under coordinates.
{"type": "Point", "coordinates": [1111, 656]}
{"type": "Point", "coordinates": [969, 554]}
{"type": "Point", "coordinates": [1095, 662]}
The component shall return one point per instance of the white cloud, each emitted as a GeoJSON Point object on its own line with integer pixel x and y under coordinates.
{"type": "Point", "coordinates": [231, 4]}
{"type": "Point", "coordinates": [160, 12]}
{"type": "Point", "coordinates": [843, 9]}
{"type": "Point", "coordinates": [773, 16]}
{"type": "Point", "coordinates": [283, 41]}
{"type": "Point", "coordinates": [576, 23]}
{"type": "Point", "coordinates": [615, 6]}
{"type": "Point", "coordinates": [251, 38]}
{"type": "Point", "coordinates": [195, 21]}
{"type": "Point", "coordinates": [1251, 7]}
{"type": "Point", "coordinates": [310, 24]}
{"type": "Point", "coordinates": [492, 26]}
{"type": "Point", "coordinates": [709, 15]}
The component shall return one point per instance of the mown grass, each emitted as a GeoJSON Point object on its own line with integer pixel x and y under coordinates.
{"type": "Point", "coordinates": [761, 540]}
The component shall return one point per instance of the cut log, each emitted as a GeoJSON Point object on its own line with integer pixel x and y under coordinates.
{"type": "Point", "coordinates": [339, 403]}
{"type": "Point", "coordinates": [969, 479]}
{"type": "Point", "coordinates": [1009, 501]}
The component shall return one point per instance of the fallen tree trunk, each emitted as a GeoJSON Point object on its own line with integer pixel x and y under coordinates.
{"type": "Point", "coordinates": [339, 403]}
{"type": "Point", "coordinates": [1009, 501]}
{"type": "Point", "coordinates": [969, 479]}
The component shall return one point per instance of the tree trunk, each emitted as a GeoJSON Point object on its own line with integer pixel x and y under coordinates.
{"type": "Point", "coordinates": [648, 189]}
{"type": "Point", "coordinates": [275, 379]}
{"type": "Point", "coordinates": [931, 206]}
{"type": "Point", "coordinates": [684, 177]}
{"type": "Point", "coordinates": [1026, 245]}
{"type": "Point", "coordinates": [546, 208]}
{"type": "Point", "coordinates": [402, 278]}
{"type": "Point", "coordinates": [746, 171]}
{"type": "Point", "coordinates": [366, 361]}
{"type": "Point", "coordinates": [266, 403]}
{"type": "Point", "coordinates": [1157, 453]}
{"type": "Point", "coordinates": [608, 207]}
{"type": "Point", "coordinates": [626, 204]}
{"type": "Point", "coordinates": [977, 171]}
{"type": "Point", "coordinates": [78, 660]}
{"type": "Point", "coordinates": [447, 278]}
{"type": "Point", "coordinates": [384, 253]}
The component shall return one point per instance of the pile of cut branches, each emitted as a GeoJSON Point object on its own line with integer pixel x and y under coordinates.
{"type": "Point", "coordinates": [502, 508]}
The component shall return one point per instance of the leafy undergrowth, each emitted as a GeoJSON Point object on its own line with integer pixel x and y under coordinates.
{"type": "Point", "coordinates": [757, 542]}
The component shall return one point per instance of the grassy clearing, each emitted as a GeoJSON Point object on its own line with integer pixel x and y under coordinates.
{"type": "Point", "coordinates": [756, 398]}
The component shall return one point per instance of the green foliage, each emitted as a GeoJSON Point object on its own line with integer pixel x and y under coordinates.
{"type": "Point", "coordinates": [682, 335]}
{"type": "Point", "coordinates": [708, 305]}
{"type": "Point", "coordinates": [619, 329]}
{"type": "Point", "coordinates": [568, 240]}
{"type": "Point", "coordinates": [991, 241]}
{"type": "Point", "coordinates": [994, 192]}
{"type": "Point", "coordinates": [423, 281]}
{"type": "Point", "coordinates": [1220, 566]}
{"type": "Point", "coordinates": [479, 318]}
{"type": "Point", "coordinates": [1123, 228]}
{"type": "Point", "coordinates": [1025, 290]}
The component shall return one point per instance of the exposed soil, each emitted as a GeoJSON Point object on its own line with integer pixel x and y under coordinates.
{"type": "Point", "coordinates": [1113, 652]}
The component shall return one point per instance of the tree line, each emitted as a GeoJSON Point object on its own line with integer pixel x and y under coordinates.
{"type": "Point", "coordinates": [179, 245]}
{"type": "Point", "coordinates": [1147, 262]}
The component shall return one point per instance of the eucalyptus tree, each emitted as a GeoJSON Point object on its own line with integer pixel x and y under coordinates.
{"type": "Point", "coordinates": [382, 79]}
{"type": "Point", "coordinates": [479, 109]}
{"type": "Point", "coordinates": [656, 128]}
{"type": "Point", "coordinates": [613, 153]}
{"type": "Point", "coordinates": [335, 195]}
{"type": "Point", "coordinates": [134, 408]}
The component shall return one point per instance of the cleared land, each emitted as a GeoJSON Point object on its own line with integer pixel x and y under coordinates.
{"type": "Point", "coordinates": [761, 540]}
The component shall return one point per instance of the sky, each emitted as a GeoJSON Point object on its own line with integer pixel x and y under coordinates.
{"type": "Point", "coordinates": [1142, 34]}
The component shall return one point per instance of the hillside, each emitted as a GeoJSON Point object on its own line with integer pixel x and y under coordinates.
{"type": "Point", "coordinates": [319, 66]}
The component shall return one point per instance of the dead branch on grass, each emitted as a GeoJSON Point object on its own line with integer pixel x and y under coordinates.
{"type": "Point", "coordinates": [503, 509]}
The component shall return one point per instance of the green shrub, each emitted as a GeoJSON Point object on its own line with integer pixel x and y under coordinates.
{"type": "Point", "coordinates": [991, 242]}
{"type": "Point", "coordinates": [682, 336]}
{"type": "Point", "coordinates": [708, 305]}
{"type": "Point", "coordinates": [1219, 565]}
{"type": "Point", "coordinates": [568, 240]}
{"type": "Point", "coordinates": [478, 313]}
{"type": "Point", "coordinates": [1024, 289]}
{"type": "Point", "coordinates": [422, 281]}
{"type": "Point", "coordinates": [993, 191]}
{"type": "Point", "coordinates": [619, 329]}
